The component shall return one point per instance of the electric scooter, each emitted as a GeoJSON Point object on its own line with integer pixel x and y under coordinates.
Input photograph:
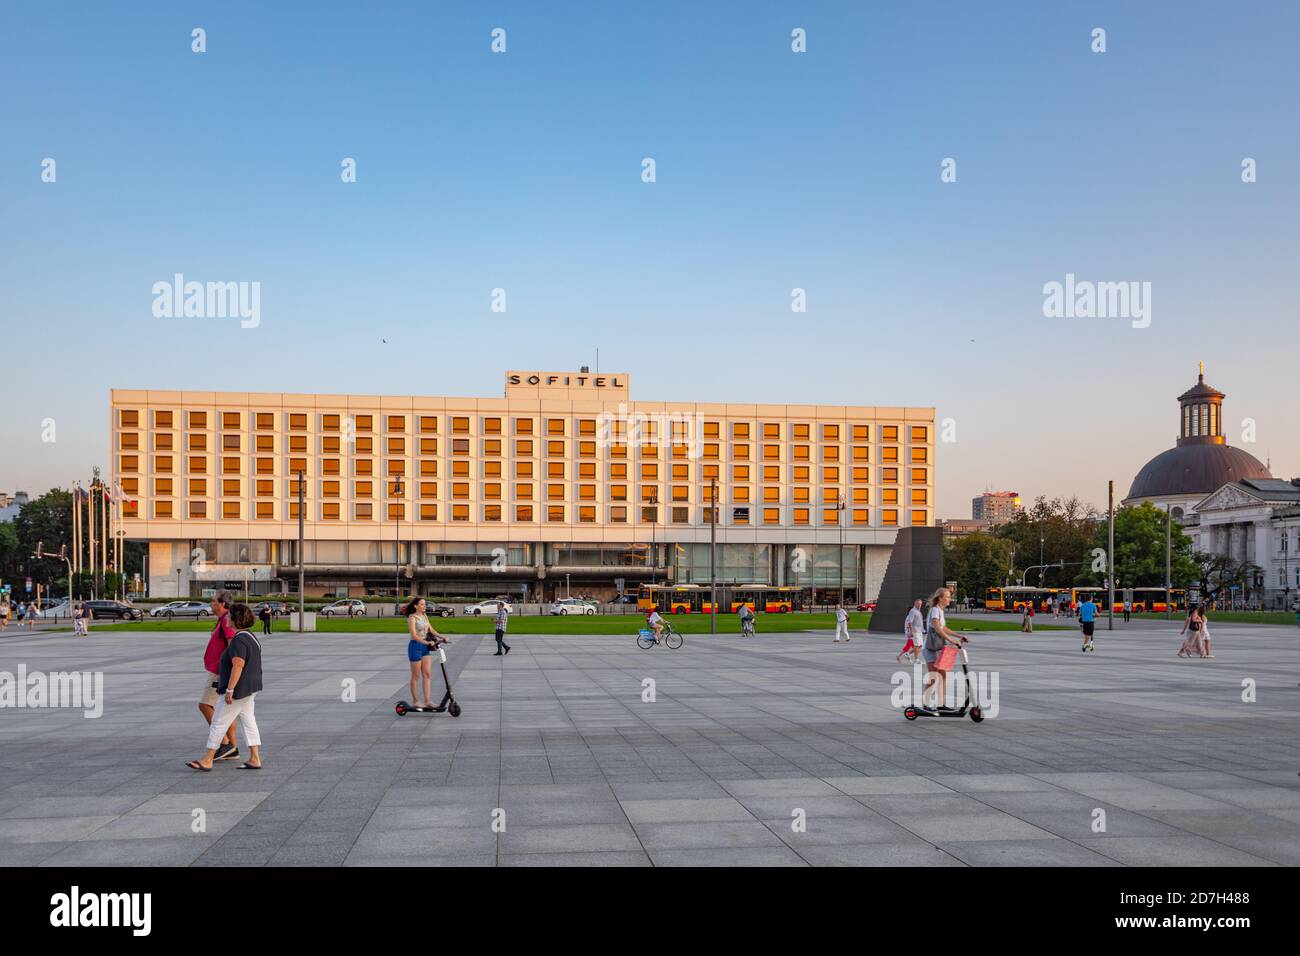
{"type": "Point", "coordinates": [911, 711]}
{"type": "Point", "coordinates": [448, 702]}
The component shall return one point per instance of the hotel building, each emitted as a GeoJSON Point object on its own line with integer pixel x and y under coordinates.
{"type": "Point", "coordinates": [563, 483]}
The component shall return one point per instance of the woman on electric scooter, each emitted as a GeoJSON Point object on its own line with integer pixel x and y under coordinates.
{"type": "Point", "coordinates": [938, 636]}
{"type": "Point", "coordinates": [423, 639]}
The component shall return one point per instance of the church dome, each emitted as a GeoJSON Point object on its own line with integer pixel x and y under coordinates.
{"type": "Point", "coordinates": [1194, 470]}
{"type": "Point", "coordinates": [1202, 461]}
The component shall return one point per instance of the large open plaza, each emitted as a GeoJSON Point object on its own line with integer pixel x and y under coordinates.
{"type": "Point", "coordinates": [1126, 756]}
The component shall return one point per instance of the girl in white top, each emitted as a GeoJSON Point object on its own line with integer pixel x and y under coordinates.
{"type": "Point", "coordinates": [939, 635]}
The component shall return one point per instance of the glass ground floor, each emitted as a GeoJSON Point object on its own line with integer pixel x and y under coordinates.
{"type": "Point", "coordinates": [529, 570]}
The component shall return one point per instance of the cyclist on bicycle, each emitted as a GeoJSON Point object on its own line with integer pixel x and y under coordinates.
{"type": "Point", "coordinates": [746, 621]}
{"type": "Point", "coordinates": [655, 622]}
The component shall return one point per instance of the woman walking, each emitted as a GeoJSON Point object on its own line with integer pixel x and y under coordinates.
{"type": "Point", "coordinates": [1197, 641]}
{"type": "Point", "coordinates": [239, 679]}
{"type": "Point", "coordinates": [423, 639]}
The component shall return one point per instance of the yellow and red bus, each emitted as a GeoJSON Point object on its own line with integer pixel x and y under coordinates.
{"type": "Point", "coordinates": [698, 598]}
{"type": "Point", "coordinates": [1015, 597]}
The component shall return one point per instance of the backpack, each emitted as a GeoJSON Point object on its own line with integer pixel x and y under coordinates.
{"type": "Point", "coordinates": [933, 639]}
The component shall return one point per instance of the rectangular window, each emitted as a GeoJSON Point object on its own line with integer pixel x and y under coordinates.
{"type": "Point", "coordinates": [801, 515]}
{"type": "Point", "coordinates": [861, 495]}
{"type": "Point", "coordinates": [618, 492]}
{"type": "Point", "coordinates": [920, 433]}
{"type": "Point", "coordinates": [919, 497]}
{"type": "Point", "coordinates": [889, 496]}
{"type": "Point", "coordinates": [130, 418]}
{"type": "Point", "coordinates": [460, 446]}
{"type": "Point", "coordinates": [649, 471]}
{"type": "Point", "coordinates": [329, 466]}
{"type": "Point", "coordinates": [586, 426]}
{"type": "Point", "coordinates": [329, 489]}
{"type": "Point", "coordinates": [555, 449]}
{"type": "Point", "coordinates": [161, 419]}
{"type": "Point", "coordinates": [491, 512]}
{"type": "Point", "coordinates": [428, 489]}
{"type": "Point", "coordinates": [831, 453]}
{"type": "Point", "coordinates": [524, 426]}
{"type": "Point", "coordinates": [265, 509]}
{"type": "Point", "coordinates": [161, 442]}
{"type": "Point", "coordinates": [363, 489]}
{"type": "Point", "coordinates": [363, 511]}
{"type": "Point", "coordinates": [196, 463]}
{"type": "Point", "coordinates": [772, 430]}
{"type": "Point", "coordinates": [920, 454]}
{"type": "Point", "coordinates": [163, 486]}
{"type": "Point", "coordinates": [230, 466]}
{"type": "Point", "coordinates": [830, 516]}
{"type": "Point", "coordinates": [265, 488]}
{"type": "Point", "coordinates": [524, 469]}
{"type": "Point", "coordinates": [428, 424]}
{"type": "Point", "coordinates": [618, 451]}
{"type": "Point", "coordinates": [460, 425]}
{"type": "Point", "coordinates": [740, 516]}
{"type": "Point", "coordinates": [329, 423]}
{"type": "Point", "coordinates": [711, 429]}
{"type": "Point", "coordinates": [492, 446]}
{"type": "Point", "coordinates": [266, 443]}
{"type": "Point", "coordinates": [740, 430]}
{"type": "Point", "coordinates": [586, 449]}
{"type": "Point", "coordinates": [230, 419]}
{"type": "Point", "coordinates": [681, 493]}
{"type": "Point", "coordinates": [397, 446]}
{"type": "Point", "coordinates": [523, 512]}
{"type": "Point", "coordinates": [919, 476]}
{"type": "Point", "coordinates": [740, 452]}
{"type": "Point", "coordinates": [740, 493]}
{"type": "Point", "coordinates": [198, 442]}
{"type": "Point", "coordinates": [555, 492]}
{"type": "Point", "coordinates": [800, 452]}
{"type": "Point", "coordinates": [131, 463]}
{"type": "Point", "coordinates": [330, 445]}
{"type": "Point", "coordinates": [555, 469]}
{"type": "Point", "coordinates": [395, 467]}
{"type": "Point", "coordinates": [491, 426]}
{"type": "Point", "coordinates": [618, 514]}
{"type": "Point", "coordinates": [397, 423]}
{"type": "Point", "coordinates": [801, 495]}
{"type": "Point", "coordinates": [830, 433]}
{"type": "Point", "coordinates": [298, 421]}
{"type": "Point", "coordinates": [460, 469]}
{"type": "Point", "coordinates": [555, 512]}
{"type": "Point", "coordinates": [428, 511]}
{"type": "Point", "coordinates": [889, 433]}
{"type": "Point", "coordinates": [889, 455]}
{"type": "Point", "coordinates": [163, 509]}
{"type": "Point", "coordinates": [771, 493]}
{"type": "Point", "coordinates": [492, 490]}
{"type": "Point", "coordinates": [681, 516]}
{"type": "Point", "coordinates": [587, 514]}
{"type": "Point", "coordinates": [555, 426]}
{"type": "Point", "coordinates": [861, 516]}
{"type": "Point", "coordinates": [366, 423]}
{"type": "Point", "coordinates": [586, 492]}
{"type": "Point", "coordinates": [524, 490]}
{"type": "Point", "coordinates": [862, 433]}
{"type": "Point", "coordinates": [428, 468]}
{"type": "Point", "coordinates": [396, 511]}
{"type": "Point", "coordinates": [861, 453]}
{"type": "Point", "coordinates": [771, 452]}
{"type": "Point", "coordinates": [711, 450]}
{"type": "Point", "coordinates": [460, 489]}
{"type": "Point", "coordinates": [230, 509]}
{"type": "Point", "coordinates": [129, 442]}
{"type": "Point", "coordinates": [771, 515]}
{"type": "Point", "coordinates": [428, 446]}
{"type": "Point", "coordinates": [364, 466]}
{"type": "Point", "coordinates": [230, 487]}
{"type": "Point", "coordinates": [918, 519]}
{"type": "Point", "coordinates": [889, 476]}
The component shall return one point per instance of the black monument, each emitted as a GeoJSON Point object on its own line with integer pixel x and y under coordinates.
{"type": "Point", "coordinates": [915, 570]}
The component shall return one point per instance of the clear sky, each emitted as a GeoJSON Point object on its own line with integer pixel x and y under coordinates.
{"type": "Point", "coordinates": [775, 170]}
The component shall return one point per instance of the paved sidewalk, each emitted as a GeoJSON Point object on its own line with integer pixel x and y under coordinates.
{"type": "Point", "coordinates": [742, 739]}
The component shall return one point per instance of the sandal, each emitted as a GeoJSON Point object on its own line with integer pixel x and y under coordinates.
{"type": "Point", "coordinates": [195, 765]}
{"type": "Point", "coordinates": [249, 766]}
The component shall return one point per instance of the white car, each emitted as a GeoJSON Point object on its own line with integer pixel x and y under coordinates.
{"type": "Point", "coordinates": [358, 608]}
{"type": "Point", "coordinates": [573, 606]}
{"type": "Point", "coordinates": [488, 607]}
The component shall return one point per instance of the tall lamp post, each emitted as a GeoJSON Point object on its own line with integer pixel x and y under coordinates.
{"type": "Point", "coordinates": [397, 545]}
{"type": "Point", "coordinates": [840, 505]}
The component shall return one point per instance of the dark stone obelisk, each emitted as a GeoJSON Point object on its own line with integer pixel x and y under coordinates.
{"type": "Point", "coordinates": [915, 570]}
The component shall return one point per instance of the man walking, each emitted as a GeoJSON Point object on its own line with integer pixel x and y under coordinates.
{"type": "Point", "coordinates": [1087, 620]}
{"type": "Point", "coordinates": [502, 619]}
{"type": "Point", "coordinates": [914, 628]}
{"type": "Point", "coordinates": [841, 624]}
{"type": "Point", "coordinates": [1128, 609]}
{"type": "Point", "coordinates": [265, 615]}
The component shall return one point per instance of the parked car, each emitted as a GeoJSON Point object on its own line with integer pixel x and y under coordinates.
{"type": "Point", "coordinates": [344, 607]}
{"type": "Point", "coordinates": [867, 606]}
{"type": "Point", "coordinates": [438, 610]}
{"type": "Point", "coordinates": [175, 609]}
{"type": "Point", "coordinates": [488, 607]}
{"type": "Point", "coordinates": [277, 608]}
{"type": "Point", "coordinates": [121, 610]}
{"type": "Point", "coordinates": [573, 606]}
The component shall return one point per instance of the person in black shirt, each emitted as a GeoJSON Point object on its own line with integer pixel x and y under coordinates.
{"type": "Point", "coordinates": [238, 682]}
{"type": "Point", "coordinates": [266, 618]}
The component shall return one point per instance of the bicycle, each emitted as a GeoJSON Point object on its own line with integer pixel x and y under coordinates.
{"type": "Point", "coordinates": [646, 639]}
{"type": "Point", "coordinates": [747, 628]}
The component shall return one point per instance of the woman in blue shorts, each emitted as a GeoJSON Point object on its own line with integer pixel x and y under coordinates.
{"type": "Point", "coordinates": [423, 640]}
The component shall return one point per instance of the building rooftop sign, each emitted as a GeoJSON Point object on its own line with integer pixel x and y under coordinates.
{"type": "Point", "coordinates": [608, 386]}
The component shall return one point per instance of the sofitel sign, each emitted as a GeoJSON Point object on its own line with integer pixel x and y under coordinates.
{"type": "Point", "coordinates": [565, 380]}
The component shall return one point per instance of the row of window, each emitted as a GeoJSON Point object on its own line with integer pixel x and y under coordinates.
{"type": "Point", "coordinates": [523, 491]}
{"type": "Point", "coordinates": [634, 425]}
{"type": "Point", "coordinates": [526, 448]}
{"type": "Point", "coordinates": [583, 514]}
{"type": "Point", "coordinates": [129, 465]}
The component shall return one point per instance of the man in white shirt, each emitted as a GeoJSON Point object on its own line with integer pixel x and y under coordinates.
{"type": "Point", "coordinates": [914, 628]}
{"type": "Point", "coordinates": [841, 624]}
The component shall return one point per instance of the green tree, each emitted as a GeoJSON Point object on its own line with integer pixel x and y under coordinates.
{"type": "Point", "coordinates": [976, 562]}
{"type": "Point", "coordinates": [1059, 531]}
{"type": "Point", "coordinates": [1140, 551]}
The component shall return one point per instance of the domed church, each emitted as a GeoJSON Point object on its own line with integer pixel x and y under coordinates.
{"type": "Point", "coordinates": [1201, 462]}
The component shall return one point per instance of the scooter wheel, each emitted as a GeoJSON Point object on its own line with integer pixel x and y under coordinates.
{"type": "Point", "coordinates": [976, 714]}
{"type": "Point", "coordinates": [910, 713]}
{"type": "Point", "coordinates": [454, 709]}
{"type": "Point", "coordinates": [401, 708]}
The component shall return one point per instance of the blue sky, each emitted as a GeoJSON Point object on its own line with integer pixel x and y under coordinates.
{"type": "Point", "coordinates": [774, 171]}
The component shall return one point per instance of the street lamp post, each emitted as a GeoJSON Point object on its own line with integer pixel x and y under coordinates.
{"type": "Point", "coordinates": [839, 520]}
{"type": "Point", "coordinates": [178, 581]}
{"type": "Point", "coordinates": [397, 545]}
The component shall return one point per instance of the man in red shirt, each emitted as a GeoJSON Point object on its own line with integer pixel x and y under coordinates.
{"type": "Point", "coordinates": [221, 635]}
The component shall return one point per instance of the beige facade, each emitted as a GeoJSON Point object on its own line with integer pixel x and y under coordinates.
{"type": "Point", "coordinates": [563, 458]}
